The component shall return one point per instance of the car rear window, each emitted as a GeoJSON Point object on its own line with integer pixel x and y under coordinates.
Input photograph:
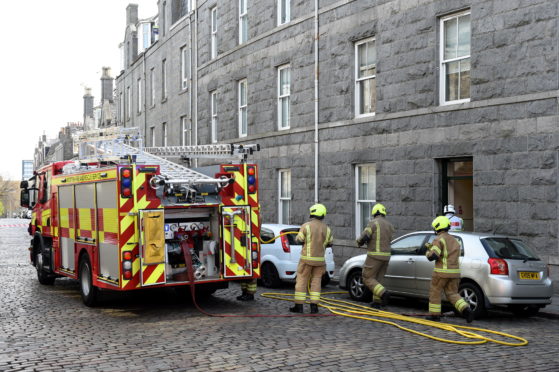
{"type": "Point", "coordinates": [266, 235]}
{"type": "Point", "coordinates": [514, 249]}
{"type": "Point", "coordinates": [291, 237]}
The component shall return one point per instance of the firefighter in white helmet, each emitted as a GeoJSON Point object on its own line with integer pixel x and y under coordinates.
{"type": "Point", "coordinates": [456, 222]}
{"type": "Point", "coordinates": [315, 236]}
{"type": "Point", "coordinates": [445, 251]}
{"type": "Point", "coordinates": [377, 235]}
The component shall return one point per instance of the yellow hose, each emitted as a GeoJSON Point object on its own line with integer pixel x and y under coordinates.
{"type": "Point", "coordinates": [282, 234]}
{"type": "Point", "coordinates": [352, 310]}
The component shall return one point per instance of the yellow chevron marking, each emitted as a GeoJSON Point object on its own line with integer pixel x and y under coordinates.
{"type": "Point", "coordinates": [155, 274]}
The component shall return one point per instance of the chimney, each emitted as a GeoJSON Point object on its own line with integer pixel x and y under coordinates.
{"type": "Point", "coordinates": [106, 85]}
{"type": "Point", "coordinates": [132, 14]}
{"type": "Point", "coordinates": [87, 104]}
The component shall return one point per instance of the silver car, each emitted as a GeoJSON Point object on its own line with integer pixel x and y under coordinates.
{"type": "Point", "coordinates": [495, 271]}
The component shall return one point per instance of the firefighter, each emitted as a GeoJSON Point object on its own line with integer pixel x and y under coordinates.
{"type": "Point", "coordinates": [315, 236]}
{"type": "Point", "coordinates": [377, 235]}
{"type": "Point", "coordinates": [248, 288]}
{"type": "Point", "coordinates": [455, 221]}
{"type": "Point", "coordinates": [445, 251]}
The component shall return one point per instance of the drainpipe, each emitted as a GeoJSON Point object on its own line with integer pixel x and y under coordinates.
{"type": "Point", "coordinates": [141, 145]}
{"type": "Point", "coordinates": [194, 82]}
{"type": "Point", "coordinates": [316, 72]}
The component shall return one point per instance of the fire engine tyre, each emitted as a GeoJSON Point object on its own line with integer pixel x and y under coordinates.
{"type": "Point", "coordinates": [87, 289]}
{"type": "Point", "coordinates": [473, 296]}
{"type": "Point", "coordinates": [42, 275]}
{"type": "Point", "coordinates": [357, 290]}
{"type": "Point", "coordinates": [270, 277]}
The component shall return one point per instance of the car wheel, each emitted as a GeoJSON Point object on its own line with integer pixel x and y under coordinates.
{"type": "Point", "coordinates": [270, 277]}
{"type": "Point", "coordinates": [357, 290]}
{"type": "Point", "coordinates": [524, 311]}
{"type": "Point", "coordinates": [87, 289]}
{"type": "Point", "coordinates": [42, 275]}
{"type": "Point", "coordinates": [474, 297]}
{"type": "Point", "coordinates": [325, 279]}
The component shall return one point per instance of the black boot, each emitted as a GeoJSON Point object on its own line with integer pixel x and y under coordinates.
{"type": "Point", "coordinates": [246, 297]}
{"type": "Point", "coordinates": [468, 314]}
{"type": "Point", "coordinates": [314, 308]}
{"type": "Point", "coordinates": [434, 318]}
{"type": "Point", "coordinates": [385, 298]}
{"type": "Point", "coordinates": [298, 308]}
{"type": "Point", "coordinates": [375, 305]}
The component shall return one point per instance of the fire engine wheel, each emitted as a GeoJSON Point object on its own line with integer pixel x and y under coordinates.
{"type": "Point", "coordinates": [270, 277]}
{"type": "Point", "coordinates": [87, 289]}
{"type": "Point", "coordinates": [42, 275]}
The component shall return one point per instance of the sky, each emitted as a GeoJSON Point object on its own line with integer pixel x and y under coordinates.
{"type": "Point", "coordinates": [53, 50]}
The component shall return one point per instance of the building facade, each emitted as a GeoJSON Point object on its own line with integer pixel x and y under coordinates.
{"type": "Point", "coordinates": [415, 104]}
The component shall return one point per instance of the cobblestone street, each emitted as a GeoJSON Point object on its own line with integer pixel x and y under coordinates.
{"type": "Point", "coordinates": [47, 328]}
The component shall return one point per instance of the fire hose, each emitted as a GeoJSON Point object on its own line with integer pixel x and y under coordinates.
{"type": "Point", "coordinates": [348, 309]}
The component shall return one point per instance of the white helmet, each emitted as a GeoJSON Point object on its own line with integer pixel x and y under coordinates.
{"type": "Point", "coordinates": [449, 209]}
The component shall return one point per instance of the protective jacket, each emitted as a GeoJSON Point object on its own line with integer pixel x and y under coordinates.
{"type": "Point", "coordinates": [447, 250]}
{"type": "Point", "coordinates": [315, 236]}
{"type": "Point", "coordinates": [456, 222]}
{"type": "Point", "coordinates": [377, 235]}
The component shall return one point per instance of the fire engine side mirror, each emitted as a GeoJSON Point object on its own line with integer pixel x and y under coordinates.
{"type": "Point", "coordinates": [23, 184]}
{"type": "Point", "coordinates": [24, 198]}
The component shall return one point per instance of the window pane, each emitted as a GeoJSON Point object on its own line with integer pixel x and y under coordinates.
{"type": "Point", "coordinates": [244, 29]}
{"type": "Point", "coordinates": [285, 112]}
{"type": "Point", "coordinates": [367, 183]}
{"type": "Point", "coordinates": [452, 80]}
{"type": "Point", "coordinates": [367, 96]}
{"type": "Point", "coordinates": [244, 121]}
{"type": "Point", "coordinates": [464, 36]}
{"type": "Point", "coordinates": [465, 78]}
{"type": "Point", "coordinates": [243, 93]}
{"type": "Point", "coordinates": [285, 211]}
{"type": "Point", "coordinates": [284, 81]}
{"type": "Point", "coordinates": [365, 214]}
{"type": "Point", "coordinates": [285, 191]}
{"type": "Point", "coordinates": [366, 59]}
{"type": "Point", "coordinates": [450, 38]}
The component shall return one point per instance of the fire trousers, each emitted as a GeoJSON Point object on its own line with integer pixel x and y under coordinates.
{"type": "Point", "coordinates": [373, 276]}
{"type": "Point", "coordinates": [450, 288]}
{"type": "Point", "coordinates": [249, 286]}
{"type": "Point", "coordinates": [304, 273]}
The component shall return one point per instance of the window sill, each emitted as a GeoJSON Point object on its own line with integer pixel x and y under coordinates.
{"type": "Point", "coordinates": [457, 102]}
{"type": "Point", "coordinates": [358, 116]}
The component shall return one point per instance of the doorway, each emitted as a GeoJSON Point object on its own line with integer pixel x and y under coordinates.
{"type": "Point", "coordinates": [458, 188]}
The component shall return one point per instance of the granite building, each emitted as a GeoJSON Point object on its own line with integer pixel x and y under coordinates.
{"type": "Point", "coordinates": [415, 104]}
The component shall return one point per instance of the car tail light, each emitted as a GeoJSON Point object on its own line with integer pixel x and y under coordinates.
{"type": "Point", "coordinates": [255, 260]}
{"type": "Point", "coordinates": [127, 258]}
{"type": "Point", "coordinates": [498, 266]}
{"type": "Point", "coordinates": [285, 244]}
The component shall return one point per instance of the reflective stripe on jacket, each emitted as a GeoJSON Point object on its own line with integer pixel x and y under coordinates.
{"type": "Point", "coordinates": [448, 249]}
{"type": "Point", "coordinates": [379, 234]}
{"type": "Point", "coordinates": [315, 236]}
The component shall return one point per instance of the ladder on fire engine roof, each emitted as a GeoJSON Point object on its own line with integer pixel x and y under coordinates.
{"type": "Point", "coordinates": [114, 143]}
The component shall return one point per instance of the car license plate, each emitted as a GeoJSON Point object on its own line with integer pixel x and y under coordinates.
{"type": "Point", "coordinates": [528, 275]}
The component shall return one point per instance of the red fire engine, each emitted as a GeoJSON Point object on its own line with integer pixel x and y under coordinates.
{"type": "Point", "coordinates": [124, 219]}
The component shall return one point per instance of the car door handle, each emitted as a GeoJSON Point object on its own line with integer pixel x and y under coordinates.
{"type": "Point", "coordinates": [410, 260]}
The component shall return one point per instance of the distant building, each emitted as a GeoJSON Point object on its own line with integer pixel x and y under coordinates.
{"type": "Point", "coordinates": [26, 169]}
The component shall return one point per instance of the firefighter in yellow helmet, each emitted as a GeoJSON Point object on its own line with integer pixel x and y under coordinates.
{"type": "Point", "coordinates": [248, 289]}
{"type": "Point", "coordinates": [445, 251]}
{"type": "Point", "coordinates": [377, 235]}
{"type": "Point", "coordinates": [315, 236]}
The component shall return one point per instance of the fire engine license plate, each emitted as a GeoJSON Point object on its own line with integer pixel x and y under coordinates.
{"type": "Point", "coordinates": [528, 275]}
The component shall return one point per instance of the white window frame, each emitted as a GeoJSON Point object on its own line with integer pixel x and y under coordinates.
{"type": "Point", "coordinates": [185, 69]}
{"type": "Point", "coordinates": [360, 80]}
{"type": "Point", "coordinates": [243, 21]}
{"type": "Point", "coordinates": [284, 7]}
{"type": "Point", "coordinates": [243, 108]}
{"type": "Point", "coordinates": [164, 134]}
{"type": "Point", "coordinates": [164, 80]}
{"type": "Point", "coordinates": [213, 113]}
{"type": "Point", "coordinates": [284, 198]}
{"type": "Point", "coordinates": [122, 112]}
{"type": "Point", "coordinates": [363, 203]}
{"type": "Point", "coordinates": [152, 136]}
{"type": "Point", "coordinates": [128, 103]}
{"type": "Point", "coordinates": [186, 132]}
{"type": "Point", "coordinates": [443, 62]}
{"type": "Point", "coordinates": [139, 102]}
{"type": "Point", "coordinates": [284, 96]}
{"type": "Point", "coordinates": [152, 86]}
{"type": "Point", "coordinates": [213, 39]}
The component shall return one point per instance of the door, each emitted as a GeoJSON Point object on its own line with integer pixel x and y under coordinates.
{"type": "Point", "coordinates": [152, 247]}
{"type": "Point", "coordinates": [457, 188]}
{"type": "Point", "coordinates": [400, 276]}
{"type": "Point", "coordinates": [236, 241]}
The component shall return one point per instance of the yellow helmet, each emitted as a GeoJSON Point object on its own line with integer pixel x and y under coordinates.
{"type": "Point", "coordinates": [441, 223]}
{"type": "Point", "coordinates": [318, 210]}
{"type": "Point", "coordinates": [378, 208]}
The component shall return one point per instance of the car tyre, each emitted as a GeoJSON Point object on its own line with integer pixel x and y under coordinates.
{"type": "Point", "coordinates": [524, 311]}
{"type": "Point", "coordinates": [270, 277]}
{"type": "Point", "coordinates": [325, 280]}
{"type": "Point", "coordinates": [87, 290]}
{"type": "Point", "coordinates": [474, 297]}
{"type": "Point", "coordinates": [357, 290]}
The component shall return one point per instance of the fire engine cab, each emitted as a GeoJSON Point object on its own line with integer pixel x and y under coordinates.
{"type": "Point", "coordinates": [122, 217]}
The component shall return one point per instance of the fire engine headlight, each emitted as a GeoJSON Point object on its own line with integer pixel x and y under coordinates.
{"type": "Point", "coordinates": [127, 265]}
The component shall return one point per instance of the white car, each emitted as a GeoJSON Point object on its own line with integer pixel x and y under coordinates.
{"type": "Point", "coordinates": [279, 259]}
